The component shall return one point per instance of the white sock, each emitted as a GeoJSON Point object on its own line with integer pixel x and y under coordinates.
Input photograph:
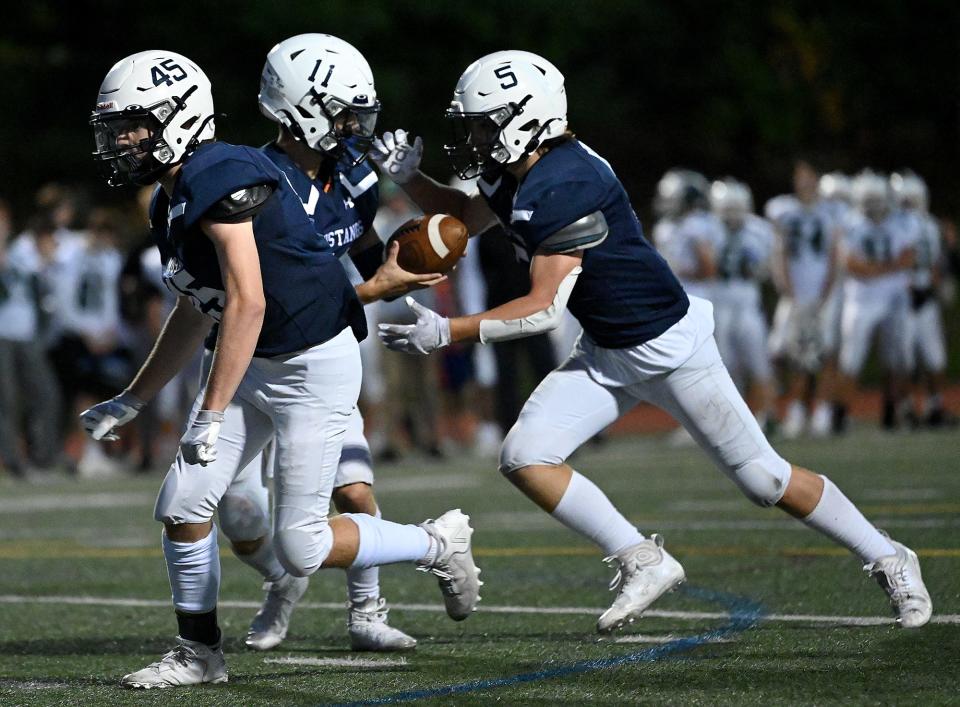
{"type": "Point", "coordinates": [383, 542]}
{"type": "Point", "coordinates": [836, 517]}
{"type": "Point", "coordinates": [585, 509]}
{"type": "Point", "coordinates": [264, 560]}
{"type": "Point", "coordinates": [194, 573]}
{"type": "Point", "coordinates": [363, 582]}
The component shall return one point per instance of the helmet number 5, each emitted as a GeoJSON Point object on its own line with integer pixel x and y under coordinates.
{"type": "Point", "coordinates": [509, 78]}
{"type": "Point", "coordinates": [166, 72]}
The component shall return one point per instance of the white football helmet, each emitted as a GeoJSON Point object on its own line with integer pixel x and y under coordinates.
{"type": "Point", "coordinates": [504, 107]}
{"type": "Point", "coordinates": [321, 89]}
{"type": "Point", "coordinates": [161, 91]}
{"type": "Point", "coordinates": [731, 200]}
{"type": "Point", "coordinates": [910, 191]}
{"type": "Point", "coordinates": [871, 194]}
{"type": "Point", "coordinates": [835, 186]}
{"type": "Point", "coordinates": [679, 191]}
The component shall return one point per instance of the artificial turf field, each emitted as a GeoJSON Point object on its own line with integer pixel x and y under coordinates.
{"type": "Point", "coordinates": [764, 619]}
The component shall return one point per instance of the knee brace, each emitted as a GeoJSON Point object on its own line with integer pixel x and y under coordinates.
{"type": "Point", "coordinates": [244, 516]}
{"type": "Point", "coordinates": [525, 446]}
{"type": "Point", "coordinates": [302, 551]}
{"type": "Point", "coordinates": [763, 480]}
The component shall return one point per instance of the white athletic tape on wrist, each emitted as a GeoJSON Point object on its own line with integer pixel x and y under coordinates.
{"type": "Point", "coordinates": [493, 330]}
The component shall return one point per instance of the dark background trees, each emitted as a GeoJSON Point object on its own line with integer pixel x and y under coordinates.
{"type": "Point", "coordinates": [737, 87]}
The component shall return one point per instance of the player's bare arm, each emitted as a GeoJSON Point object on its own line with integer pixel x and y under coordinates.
{"type": "Point", "coordinates": [242, 312]}
{"type": "Point", "coordinates": [706, 262]}
{"type": "Point", "coordinates": [178, 342]}
{"type": "Point", "coordinates": [868, 269]}
{"type": "Point", "coordinates": [552, 276]}
{"type": "Point", "coordinates": [400, 161]}
{"type": "Point", "coordinates": [534, 313]}
{"type": "Point", "coordinates": [833, 265]}
{"type": "Point", "coordinates": [781, 271]}
{"type": "Point", "coordinates": [389, 280]}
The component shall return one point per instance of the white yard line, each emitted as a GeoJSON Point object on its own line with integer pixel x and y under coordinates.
{"type": "Point", "coordinates": [339, 662]}
{"type": "Point", "coordinates": [58, 501]}
{"type": "Point", "coordinates": [436, 608]}
{"type": "Point", "coordinates": [665, 638]}
{"type": "Point", "coordinates": [68, 502]}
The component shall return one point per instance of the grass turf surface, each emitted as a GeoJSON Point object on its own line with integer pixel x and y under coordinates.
{"type": "Point", "coordinates": [98, 540]}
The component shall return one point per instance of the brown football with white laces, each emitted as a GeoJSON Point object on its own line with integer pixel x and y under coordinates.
{"type": "Point", "coordinates": [432, 243]}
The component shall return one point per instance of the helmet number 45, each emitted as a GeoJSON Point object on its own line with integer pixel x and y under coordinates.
{"type": "Point", "coordinates": [166, 72]}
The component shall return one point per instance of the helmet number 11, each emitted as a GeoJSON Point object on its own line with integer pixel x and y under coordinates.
{"type": "Point", "coordinates": [313, 74]}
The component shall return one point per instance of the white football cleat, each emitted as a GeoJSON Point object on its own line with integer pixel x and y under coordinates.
{"type": "Point", "coordinates": [189, 663]}
{"type": "Point", "coordinates": [645, 573]}
{"type": "Point", "coordinates": [899, 576]}
{"type": "Point", "coordinates": [458, 576]}
{"type": "Point", "coordinates": [269, 626]}
{"type": "Point", "coordinates": [369, 631]}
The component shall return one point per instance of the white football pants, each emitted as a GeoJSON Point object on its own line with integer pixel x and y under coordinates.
{"type": "Point", "coordinates": [593, 388]}
{"type": "Point", "coordinates": [306, 400]}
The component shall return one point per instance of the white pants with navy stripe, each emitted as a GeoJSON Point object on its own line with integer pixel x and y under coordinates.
{"type": "Point", "coordinates": [306, 401]}
{"type": "Point", "coordinates": [680, 372]}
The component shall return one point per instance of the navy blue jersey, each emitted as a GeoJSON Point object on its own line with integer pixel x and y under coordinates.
{"type": "Point", "coordinates": [308, 297]}
{"type": "Point", "coordinates": [626, 294]}
{"type": "Point", "coordinates": [341, 208]}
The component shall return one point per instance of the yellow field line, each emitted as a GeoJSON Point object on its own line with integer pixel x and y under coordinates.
{"type": "Point", "coordinates": [31, 549]}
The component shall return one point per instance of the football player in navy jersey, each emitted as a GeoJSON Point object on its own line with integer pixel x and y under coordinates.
{"type": "Point", "coordinates": [239, 250]}
{"type": "Point", "coordinates": [644, 339]}
{"type": "Point", "coordinates": [339, 194]}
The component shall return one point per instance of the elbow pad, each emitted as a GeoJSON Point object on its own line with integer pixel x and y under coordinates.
{"type": "Point", "coordinates": [240, 205]}
{"type": "Point", "coordinates": [493, 330]}
{"type": "Point", "coordinates": [587, 232]}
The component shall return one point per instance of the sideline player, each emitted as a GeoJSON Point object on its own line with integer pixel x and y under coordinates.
{"type": "Point", "coordinates": [879, 252]}
{"type": "Point", "coordinates": [803, 337]}
{"type": "Point", "coordinates": [339, 194]}
{"type": "Point", "coordinates": [741, 326]}
{"type": "Point", "coordinates": [688, 235]}
{"type": "Point", "coordinates": [239, 250]}
{"type": "Point", "coordinates": [643, 340]}
{"type": "Point", "coordinates": [929, 345]}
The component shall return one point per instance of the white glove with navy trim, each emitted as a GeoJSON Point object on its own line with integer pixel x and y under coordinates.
{"type": "Point", "coordinates": [396, 157]}
{"type": "Point", "coordinates": [100, 420]}
{"type": "Point", "coordinates": [431, 332]}
{"type": "Point", "coordinates": [199, 443]}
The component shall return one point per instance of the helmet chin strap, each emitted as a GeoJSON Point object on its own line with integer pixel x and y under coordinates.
{"type": "Point", "coordinates": [534, 142]}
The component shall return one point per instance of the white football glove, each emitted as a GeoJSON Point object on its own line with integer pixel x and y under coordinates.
{"type": "Point", "coordinates": [431, 332]}
{"type": "Point", "coordinates": [199, 443]}
{"type": "Point", "coordinates": [102, 419]}
{"type": "Point", "coordinates": [396, 157]}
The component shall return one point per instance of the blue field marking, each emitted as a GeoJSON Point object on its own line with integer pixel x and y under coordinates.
{"type": "Point", "coordinates": [743, 614]}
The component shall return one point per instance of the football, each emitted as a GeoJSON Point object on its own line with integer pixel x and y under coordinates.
{"type": "Point", "coordinates": [430, 243]}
